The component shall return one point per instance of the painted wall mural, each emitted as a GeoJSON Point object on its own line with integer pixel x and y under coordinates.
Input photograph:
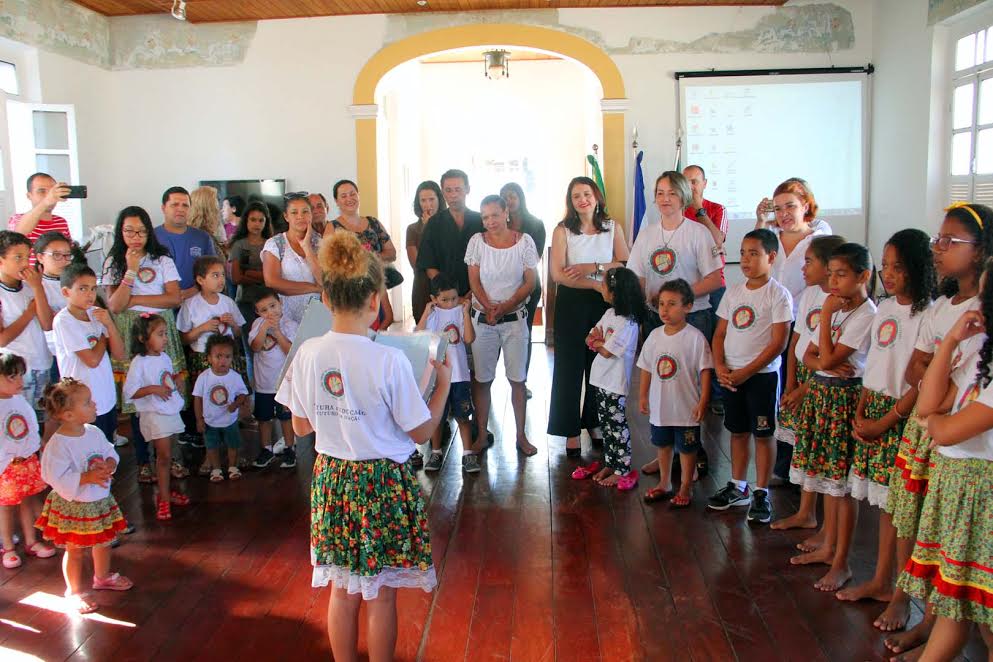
{"type": "Point", "coordinates": [939, 10]}
{"type": "Point", "coordinates": [58, 26]}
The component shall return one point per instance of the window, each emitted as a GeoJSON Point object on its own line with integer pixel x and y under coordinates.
{"type": "Point", "coordinates": [8, 78]}
{"type": "Point", "coordinates": [971, 162]}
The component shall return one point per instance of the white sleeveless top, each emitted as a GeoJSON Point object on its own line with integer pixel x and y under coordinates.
{"type": "Point", "coordinates": [589, 248]}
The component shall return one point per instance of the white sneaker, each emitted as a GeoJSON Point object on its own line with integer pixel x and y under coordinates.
{"type": "Point", "coordinates": [120, 440]}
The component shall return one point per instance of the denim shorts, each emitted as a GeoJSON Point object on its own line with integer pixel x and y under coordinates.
{"type": "Point", "coordinates": [685, 439]}
{"type": "Point", "coordinates": [230, 436]}
{"type": "Point", "coordinates": [459, 402]}
{"type": "Point", "coordinates": [266, 408]}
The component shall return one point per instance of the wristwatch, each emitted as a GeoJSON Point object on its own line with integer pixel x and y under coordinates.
{"type": "Point", "coordinates": [701, 212]}
{"type": "Point", "coordinates": [599, 268]}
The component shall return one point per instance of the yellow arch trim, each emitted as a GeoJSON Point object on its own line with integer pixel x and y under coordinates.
{"type": "Point", "coordinates": [526, 36]}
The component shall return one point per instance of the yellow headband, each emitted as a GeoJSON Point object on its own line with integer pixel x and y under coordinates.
{"type": "Point", "coordinates": [965, 206]}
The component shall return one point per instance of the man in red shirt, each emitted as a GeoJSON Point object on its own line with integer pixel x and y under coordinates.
{"type": "Point", "coordinates": [44, 193]}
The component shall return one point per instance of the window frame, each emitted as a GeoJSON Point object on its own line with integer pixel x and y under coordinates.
{"type": "Point", "coordinates": [973, 186]}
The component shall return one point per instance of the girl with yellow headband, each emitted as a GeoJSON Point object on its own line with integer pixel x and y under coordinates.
{"type": "Point", "coordinates": [960, 249]}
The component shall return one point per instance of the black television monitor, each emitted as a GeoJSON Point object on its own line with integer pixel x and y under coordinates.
{"type": "Point", "coordinates": [270, 191]}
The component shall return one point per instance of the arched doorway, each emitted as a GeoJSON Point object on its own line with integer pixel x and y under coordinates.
{"type": "Point", "coordinates": [613, 104]}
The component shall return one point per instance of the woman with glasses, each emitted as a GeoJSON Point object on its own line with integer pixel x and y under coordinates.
{"type": "Point", "coordinates": [795, 224]}
{"type": "Point", "coordinates": [140, 278]}
{"type": "Point", "coordinates": [289, 259]}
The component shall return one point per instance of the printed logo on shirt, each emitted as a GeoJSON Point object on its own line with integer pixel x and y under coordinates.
{"type": "Point", "coordinates": [970, 394]}
{"type": "Point", "coordinates": [956, 358]}
{"type": "Point", "coordinates": [609, 332]}
{"type": "Point", "coordinates": [92, 340]}
{"type": "Point", "coordinates": [195, 251]}
{"type": "Point", "coordinates": [219, 395]}
{"type": "Point", "coordinates": [452, 332]}
{"type": "Point", "coordinates": [333, 382]}
{"type": "Point", "coordinates": [146, 274]}
{"type": "Point", "coordinates": [813, 319]}
{"type": "Point", "coordinates": [664, 261]}
{"type": "Point", "coordinates": [743, 317]}
{"type": "Point", "coordinates": [92, 460]}
{"type": "Point", "coordinates": [887, 332]}
{"type": "Point", "coordinates": [222, 328]}
{"type": "Point", "coordinates": [666, 367]}
{"type": "Point", "coordinates": [166, 379]}
{"type": "Point", "coordinates": [16, 426]}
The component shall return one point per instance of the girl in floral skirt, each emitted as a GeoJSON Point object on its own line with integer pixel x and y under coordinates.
{"type": "Point", "coordinates": [824, 444]}
{"type": "Point", "coordinates": [950, 568]}
{"type": "Point", "coordinates": [80, 513]}
{"type": "Point", "coordinates": [959, 250]}
{"type": "Point", "coordinates": [887, 400]}
{"type": "Point", "coordinates": [369, 531]}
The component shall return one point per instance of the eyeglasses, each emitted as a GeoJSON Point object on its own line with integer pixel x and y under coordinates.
{"type": "Point", "coordinates": [943, 242]}
{"type": "Point", "coordinates": [295, 195]}
{"type": "Point", "coordinates": [130, 234]}
{"type": "Point", "coordinates": [58, 257]}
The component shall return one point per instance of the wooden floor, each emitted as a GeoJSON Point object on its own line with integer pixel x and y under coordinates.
{"type": "Point", "coordinates": [532, 566]}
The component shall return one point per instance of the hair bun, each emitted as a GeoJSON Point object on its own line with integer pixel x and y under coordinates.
{"type": "Point", "coordinates": [342, 256]}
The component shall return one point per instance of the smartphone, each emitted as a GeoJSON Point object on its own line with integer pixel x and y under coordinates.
{"type": "Point", "coordinates": [76, 192]}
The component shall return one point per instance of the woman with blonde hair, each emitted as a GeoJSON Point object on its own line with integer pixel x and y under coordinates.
{"type": "Point", "coordinates": [205, 214]}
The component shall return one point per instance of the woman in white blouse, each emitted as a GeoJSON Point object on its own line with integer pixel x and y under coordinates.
{"type": "Point", "coordinates": [795, 224]}
{"type": "Point", "coordinates": [502, 276]}
{"type": "Point", "coordinates": [289, 260]}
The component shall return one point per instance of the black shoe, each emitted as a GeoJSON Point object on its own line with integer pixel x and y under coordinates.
{"type": "Point", "coordinates": [197, 441]}
{"type": "Point", "coordinates": [728, 497]}
{"type": "Point", "coordinates": [185, 438]}
{"type": "Point", "coordinates": [761, 508]}
{"type": "Point", "coordinates": [416, 460]}
{"type": "Point", "coordinates": [574, 452]}
{"type": "Point", "coordinates": [288, 459]}
{"type": "Point", "coordinates": [129, 529]}
{"type": "Point", "coordinates": [597, 442]}
{"type": "Point", "coordinates": [528, 393]}
{"type": "Point", "coordinates": [264, 459]}
{"type": "Point", "coordinates": [702, 464]}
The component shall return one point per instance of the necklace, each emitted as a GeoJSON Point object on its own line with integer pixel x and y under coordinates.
{"type": "Point", "coordinates": [666, 242]}
{"type": "Point", "coordinates": [845, 318]}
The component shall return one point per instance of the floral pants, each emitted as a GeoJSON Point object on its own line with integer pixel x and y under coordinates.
{"type": "Point", "coordinates": [612, 414]}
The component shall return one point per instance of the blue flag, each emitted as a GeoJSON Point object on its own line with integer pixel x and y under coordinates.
{"type": "Point", "coordinates": [639, 194]}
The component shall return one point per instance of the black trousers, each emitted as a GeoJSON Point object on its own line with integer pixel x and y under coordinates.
{"type": "Point", "coordinates": [532, 306]}
{"type": "Point", "coordinates": [576, 312]}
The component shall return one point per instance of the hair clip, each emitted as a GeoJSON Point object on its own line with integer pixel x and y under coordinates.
{"type": "Point", "coordinates": [145, 315]}
{"type": "Point", "coordinates": [966, 206]}
{"type": "Point", "coordinates": [295, 195]}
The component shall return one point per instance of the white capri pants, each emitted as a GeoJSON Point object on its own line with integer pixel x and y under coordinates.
{"type": "Point", "coordinates": [512, 338]}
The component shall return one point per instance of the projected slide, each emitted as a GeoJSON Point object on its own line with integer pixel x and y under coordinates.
{"type": "Point", "coordinates": [751, 135]}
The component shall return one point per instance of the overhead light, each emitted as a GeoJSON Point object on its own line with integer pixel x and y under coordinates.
{"type": "Point", "coordinates": [179, 9]}
{"type": "Point", "coordinates": [422, 3]}
{"type": "Point", "coordinates": [496, 64]}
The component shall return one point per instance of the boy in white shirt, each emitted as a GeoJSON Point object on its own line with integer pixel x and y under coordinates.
{"type": "Point", "coordinates": [446, 315]}
{"type": "Point", "coordinates": [54, 253]}
{"type": "Point", "coordinates": [217, 397]}
{"type": "Point", "coordinates": [752, 332]}
{"type": "Point", "coordinates": [24, 317]}
{"type": "Point", "coordinates": [85, 340]}
{"type": "Point", "coordinates": [270, 341]}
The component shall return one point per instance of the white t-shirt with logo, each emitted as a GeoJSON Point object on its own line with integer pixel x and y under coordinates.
{"type": "Point", "coordinates": [620, 338]}
{"type": "Point", "coordinates": [675, 363]}
{"type": "Point", "coordinates": [148, 370]}
{"type": "Point", "coordinates": [808, 319]}
{"type": "Point", "coordinates": [361, 398]}
{"type": "Point", "coordinates": [218, 393]}
{"type": "Point", "coordinates": [65, 459]}
{"type": "Point", "coordinates": [269, 361]}
{"type": "Point", "coordinates": [970, 389]}
{"type": "Point", "coordinates": [18, 430]}
{"type": "Point", "coordinates": [451, 324]}
{"type": "Point", "coordinates": [939, 319]}
{"type": "Point", "coordinates": [30, 344]}
{"type": "Point", "coordinates": [73, 335]}
{"type": "Point", "coordinates": [853, 329]}
{"type": "Point", "coordinates": [196, 310]}
{"type": "Point", "coordinates": [153, 274]}
{"type": "Point", "coordinates": [750, 315]}
{"type": "Point", "coordinates": [688, 252]}
{"type": "Point", "coordinates": [788, 269]}
{"type": "Point", "coordinates": [53, 292]}
{"type": "Point", "coordinates": [893, 336]}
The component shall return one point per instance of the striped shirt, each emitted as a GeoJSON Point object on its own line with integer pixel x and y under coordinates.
{"type": "Point", "coordinates": [54, 224]}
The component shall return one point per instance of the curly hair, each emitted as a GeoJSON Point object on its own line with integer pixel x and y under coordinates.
{"type": "Point", "coordinates": [58, 396]}
{"type": "Point", "coordinates": [205, 213]}
{"type": "Point", "coordinates": [119, 249]}
{"type": "Point", "coordinates": [351, 273]}
{"type": "Point", "coordinates": [981, 233]}
{"type": "Point", "coordinates": [144, 326]}
{"type": "Point", "coordinates": [219, 340]}
{"type": "Point", "coordinates": [625, 289]}
{"type": "Point", "coordinates": [986, 306]}
{"type": "Point", "coordinates": [913, 247]}
{"type": "Point", "coordinates": [680, 287]}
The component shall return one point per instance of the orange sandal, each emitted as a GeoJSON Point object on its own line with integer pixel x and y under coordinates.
{"type": "Point", "coordinates": [179, 499]}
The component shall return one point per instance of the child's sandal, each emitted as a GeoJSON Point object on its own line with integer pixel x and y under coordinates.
{"type": "Point", "coordinates": [112, 582]}
{"type": "Point", "coordinates": [582, 473]}
{"type": "Point", "coordinates": [178, 470]}
{"type": "Point", "coordinates": [628, 481]}
{"type": "Point", "coordinates": [179, 499]}
{"type": "Point", "coordinates": [11, 559]}
{"type": "Point", "coordinates": [216, 475]}
{"type": "Point", "coordinates": [79, 603]}
{"type": "Point", "coordinates": [164, 511]}
{"type": "Point", "coordinates": [40, 550]}
{"type": "Point", "coordinates": [234, 473]}
{"type": "Point", "coordinates": [656, 494]}
{"type": "Point", "coordinates": [680, 502]}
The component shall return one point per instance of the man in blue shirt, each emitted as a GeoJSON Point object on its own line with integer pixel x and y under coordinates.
{"type": "Point", "coordinates": [185, 244]}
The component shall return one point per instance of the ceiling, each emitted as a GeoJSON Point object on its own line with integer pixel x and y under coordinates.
{"type": "Point", "coordinates": [205, 11]}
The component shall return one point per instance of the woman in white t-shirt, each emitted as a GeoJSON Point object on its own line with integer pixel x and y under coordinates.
{"type": "Point", "coordinates": [795, 224]}
{"type": "Point", "coordinates": [289, 260]}
{"type": "Point", "coordinates": [369, 528]}
{"type": "Point", "coordinates": [953, 550]}
{"type": "Point", "coordinates": [502, 276]}
{"type": "Point", "coordinates": [140, 277]}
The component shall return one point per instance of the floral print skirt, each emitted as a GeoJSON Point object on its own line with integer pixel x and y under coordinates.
{"type": "Point", "coordinates": [368, 527]}
{"type": "Point", "coordinates": [80, 523]}
{"type": "Point", "coordinates": [824, 442]}
{"type": "Point", "coordinates": [873, 461]}
{"type": "Point", "coordinates": [909, 480]}
{"type": "Point", "coordinates": [20, 480]}
{"type": "Point", "coordinates": [952, 563]}
{"type": "Point", "coordinates": [787, 419]}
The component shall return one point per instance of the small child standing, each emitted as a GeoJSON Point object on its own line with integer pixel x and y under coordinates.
{"type": "Point", "coordinates": [676, 371]}
{"type": "Point", "coordinates": [270, 341]}
{"type": "Point", "coordinates": [615, 341]}
{"type": "Point", "coordinates": [444, 314]}
{"type": "Point", "coordinates": [80, 512]}
{"type": "Point", "coordinates": [207, 313]}
{"type": "Point", "coordinates": [24, 317]}
{"type": "Point", "coordinates": [151, 387]}
{"type": "Point", "coordinates": [20, 471]}
{"type": "Point", "coordinates": [217, 396]}
{"type": "Point", "coordinates": [54, 253]}
{"type": "Point", "coordinates": [752, 328]}
{"type": "Point", "coordinates": [85, 340]}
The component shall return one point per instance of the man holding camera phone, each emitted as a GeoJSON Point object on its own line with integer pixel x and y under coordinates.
{"type": "Point", "coordinates": [44, 193]}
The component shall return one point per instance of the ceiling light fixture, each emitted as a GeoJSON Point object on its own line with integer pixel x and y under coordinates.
{"type": "Point", "coordinates": [422, 3]}
{"type": "Point", "coordinates": [496, 64]}
{"type": "Point", "coordinates": [179, 9]}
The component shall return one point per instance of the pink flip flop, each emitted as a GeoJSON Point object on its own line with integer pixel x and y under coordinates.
{"type": "Point", "coordinates": [582, 473]}
{"type": "Point", "coordinates": [628, 482]}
